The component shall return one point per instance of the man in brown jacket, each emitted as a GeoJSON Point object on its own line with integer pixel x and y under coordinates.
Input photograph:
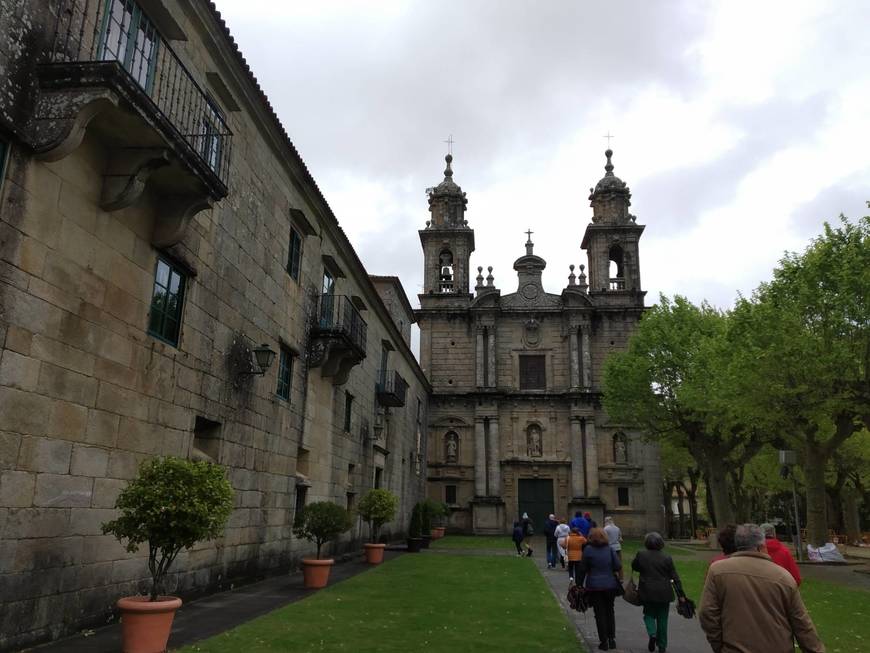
{"type": "Point", "coordinates": [752, 605]}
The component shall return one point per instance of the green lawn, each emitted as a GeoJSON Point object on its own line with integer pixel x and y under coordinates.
{"type": "Point", "coordinates": [473, 542]}
{"type": "Point", "coordinates": [416, 602]}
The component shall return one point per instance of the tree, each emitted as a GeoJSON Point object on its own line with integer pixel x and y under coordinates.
{"type": "Point", "coordinates": [377, 507]}
{"type": "Point", "coordinates": [803, 369]}
{"type": "Point", "coordinates": [322, 522]}
{"type": "Point", "coordinates": [172, 504]}
{"type": "Point", "coordinates": [666, 383]}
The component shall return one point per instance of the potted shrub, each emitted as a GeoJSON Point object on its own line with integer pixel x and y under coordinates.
{"type": "Point", "coordinates": [415, 539]}
{"type": "Point", "coordinates": [426, 521]}
{"type": "Point", "coordinates": [440, 511]}
{"type": "Point", "coordinates": [320, 522]}
{"type": "Point", "coordinates": [172, 504]}
{"type": "Point", "coordinates": [376, 507]}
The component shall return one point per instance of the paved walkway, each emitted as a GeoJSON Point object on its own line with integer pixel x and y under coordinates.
{"type": "Point", "coordinates": [684, 635]}
{"type": "Point", "coordinates": [216, 613]}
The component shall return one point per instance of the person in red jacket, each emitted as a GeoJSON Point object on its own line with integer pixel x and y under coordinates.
{"type": "Point", "coordinates": [779, 554]}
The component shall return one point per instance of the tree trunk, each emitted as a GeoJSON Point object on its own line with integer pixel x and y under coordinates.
{"type": "Point", "coordinates": [815, 461]}
{"type": "Point", "coordinates": [681, 511]}
{"type": "Point", "coordinates": [717, 488]}
{"type": "Point", "coordinates": [692, 493]}
{"type": "Point", "coordinates": [851, 518]}
{"type": "Point", "coordinates": [669, 513]}
{"type": "Point", "coordinates": [708, 499]}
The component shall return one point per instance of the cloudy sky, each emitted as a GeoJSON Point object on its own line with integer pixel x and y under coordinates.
{"type": "Point", "coordinates": [740, 127]}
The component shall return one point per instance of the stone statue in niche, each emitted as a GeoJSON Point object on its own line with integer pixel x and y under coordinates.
{"type": "Point", "coordinates": [535, 444]}
{"type": "Point", "coordinates": [451, 447]}
{"type": "Point", "coordinates": [620, 448]}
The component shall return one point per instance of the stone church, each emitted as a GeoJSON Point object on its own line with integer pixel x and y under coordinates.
{"type": "Point", "coordinates": [516, 422]}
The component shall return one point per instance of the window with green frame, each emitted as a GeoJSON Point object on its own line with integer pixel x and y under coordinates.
{"type": "Point", "coordinates": [294, 259]}
{"type": "Point", "coordinates": [285, 374]}
{"type": "Point", "coordinates": [212, 135]}
{"type": "Point", "coordinates": [164, 321]}
{"type": "Point", "coordinates": [128, 37]}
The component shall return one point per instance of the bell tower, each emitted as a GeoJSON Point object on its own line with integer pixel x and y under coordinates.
{"type": "Point", "coordinates": [447, 244]}
{"type": "Point", "coordinates": [611, 241]}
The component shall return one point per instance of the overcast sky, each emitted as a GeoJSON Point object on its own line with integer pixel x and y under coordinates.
{"type": "Point", "coordinates": [739, 127]}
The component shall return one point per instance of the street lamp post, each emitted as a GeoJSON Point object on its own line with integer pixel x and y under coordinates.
{"type": "Point", "coordinates": [788, 459]}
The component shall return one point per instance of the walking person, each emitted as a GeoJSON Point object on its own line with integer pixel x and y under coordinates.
{"type": "Point", "coordinates": [562, 531]}
{"type": "Point", "coordinates": [657, 572]}
{"type": "Point", "coordinates": [517, 537]}
{"type": "Point", "coordinates": [614, 536]}
{"type": "Point", "coordinates": [749, 604]}
{"type": "Point", "coordinates": [528, 531]}
{"type": "Point", "coordinates": [573, 544]}
{"type": "Point", "coordinates": [550, 534]}
{"type": "Point", "coordinates": [600, 572]}
{"type": "Point", "coordinates": [778, 553]}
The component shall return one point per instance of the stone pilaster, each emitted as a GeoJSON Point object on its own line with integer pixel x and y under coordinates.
{"type": "Point", "coordinates": [479, 458]}
{"type": "Point", "coordinates": [491, 350]}
{"type": "Point", "coordinates": [480, 362]}
{"type": "Point", "coordinates": [591, 460]}
{"type": "Point", "coordinates": [587, 358]}
{"type": "Point", "coordinates": [578, 473]}
{"type": "Point", "coordinates": [494, 449]}
{"type": "Point", "coordinates": [574, 356]}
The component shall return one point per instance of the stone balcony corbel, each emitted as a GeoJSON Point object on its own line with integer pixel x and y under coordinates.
{"type": "Point", "coordinates": [127, 171]}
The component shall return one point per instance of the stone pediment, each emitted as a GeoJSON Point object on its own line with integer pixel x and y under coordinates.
{"type": "Point", "coordinates": [531, 296]}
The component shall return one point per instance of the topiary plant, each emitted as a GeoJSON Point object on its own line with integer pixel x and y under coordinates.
{"type": "Point", "coordinates": [172, 504]}
{"type": "Point", "coordinates": [377, 507]}
{"type": "Point", "coordinates": [415, 529]}
{"type": "Point", "coordinates": [322, 522]}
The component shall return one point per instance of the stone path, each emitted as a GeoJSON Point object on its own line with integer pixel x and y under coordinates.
{"type": "Point", "coordinates": [214, 614]}
{"type": "Point", "coordinates": [684, 635]}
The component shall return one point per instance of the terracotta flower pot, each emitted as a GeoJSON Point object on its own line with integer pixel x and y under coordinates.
{"type": "Point", "coordinates": [438, 532]}
{"type": "Point", "coordinates": [375, 553]}
{"type": "Point", "coordinates": [145, 625]}
{"type": "Point", "coordinates": [316, 573]}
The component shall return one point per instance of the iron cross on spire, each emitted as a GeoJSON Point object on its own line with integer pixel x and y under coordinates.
{"type": "Point", "coordinates": [450, 142]}
{"type": "Point", "coordinates": [529, 233]}
{"type": "Point", "coordinates": [608, 136]}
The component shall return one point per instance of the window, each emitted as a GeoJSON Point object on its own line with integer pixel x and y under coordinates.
{"type": "Point", "coordinates": [294, 258]}
{"type": "Point", "coordinates": [327, 300]}
{"type": "Point", "coordinates": [166, 302]}
{"type": "Point", "coordinates": [348, 410]}
{"type": "Point", "coordinates": [622, 493]}
{"type": "Point", "coordinates": [351, 501]}
{"type": "Point", "coordinates": [445, 271]}
{"type": "Point", "coordinates": [129, 38]}
{"type": "Point", "coordinates": [285, 374]}
{"type": "Point", "coordinates": [379, 477]}
{"type": "Point", "coordinates": [206, 440]}
{"type": "Point", "coordinates": [450, 494]}
{"type": "Point", "coordinates": [533, 372]}
{"type": "Point", "coordinates": [301, 493]}
{"type": "Point", "coordinates": [212, 133]}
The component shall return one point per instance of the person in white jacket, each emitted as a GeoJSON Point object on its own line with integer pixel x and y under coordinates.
{"type": "Point", "coordinates": [562, 531]}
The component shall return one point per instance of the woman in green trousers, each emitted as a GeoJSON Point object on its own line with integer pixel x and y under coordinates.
{"type": "Point", "coordinates": [657, 572]}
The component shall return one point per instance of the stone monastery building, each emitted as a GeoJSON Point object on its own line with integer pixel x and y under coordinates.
{"type": "Point", "coordinates": [515, 418]}
{"type": "Point", "coordinates": [173, 282]}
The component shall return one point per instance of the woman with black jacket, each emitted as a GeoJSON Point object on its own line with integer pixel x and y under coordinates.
{"type": "Point", "coordinates": [657, 571]}
{"type": "Point", "coordinates": [599, 574]}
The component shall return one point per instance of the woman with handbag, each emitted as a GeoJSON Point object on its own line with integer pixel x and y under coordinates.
{"type": "Point", "coordinates": [657, 572]}
{"type": "Point", "coordinates": [599, 573]}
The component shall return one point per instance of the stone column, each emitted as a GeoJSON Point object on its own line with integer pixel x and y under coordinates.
{"type": "Point", "coordinates": [587, 359]}
{"type": "Point", "coordinates": [574, 362]}
{"type": "Point", "coordinates": [591, 459]}
{"type": "Point", "coordinates": [578, 474]}
{"type": "Point", "coordinates": [480, 362]}
{"type": "Point", "coordinates": [479, 458]}
{"type": "Point", "coordinates": [493, 445]}
{"type": "Point", "coordinates": [490, 333]}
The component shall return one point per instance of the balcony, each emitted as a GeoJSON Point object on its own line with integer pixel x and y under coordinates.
{"type": "Point", "coordinates": [338, 337]}
{"type": "Point", "coordinates": [617, 283]}
{"type": "Point", "coordinates": [108, 72]}
{"type": "Point", "coordinates": [391, 389]}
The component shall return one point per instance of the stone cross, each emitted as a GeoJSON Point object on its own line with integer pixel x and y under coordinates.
{"type": "Point", "coordinates": [450, 142]}
{"type": "Point", "coordinates": [608, 136]}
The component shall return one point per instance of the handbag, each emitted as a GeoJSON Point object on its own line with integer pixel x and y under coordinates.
{"type": "Point", "coordinates": [629, 592]}
{"type": "Point", "coordinates": [620, 590]}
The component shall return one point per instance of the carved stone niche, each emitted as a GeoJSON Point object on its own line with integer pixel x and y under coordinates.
{"type": "Point", "coordinates": [143, 147]}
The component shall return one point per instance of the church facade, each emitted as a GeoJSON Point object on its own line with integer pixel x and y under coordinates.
{"type": "Point", "coordinates": [516, 422]}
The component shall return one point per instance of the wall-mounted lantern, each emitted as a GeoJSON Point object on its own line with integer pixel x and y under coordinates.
{"type": "Point", "coordinates": [263, 357]}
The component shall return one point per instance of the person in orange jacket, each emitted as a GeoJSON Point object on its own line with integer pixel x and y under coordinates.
{"type": "Point", "coordinates": [573, 545]}
{"type": "Point", "coordinates": [779, 554]}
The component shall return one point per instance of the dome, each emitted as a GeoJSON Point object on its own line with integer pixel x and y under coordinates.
{"type": "Point", "coordinates": [609, 183]}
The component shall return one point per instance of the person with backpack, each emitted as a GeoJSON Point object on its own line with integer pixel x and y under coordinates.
{"type": "Point", "coordinates": [517, 538]}
{"type": "Point", "coordinates": [600, 572]}
{"type": "Point", "coordinates": [561, 533]}
{"type": "Point", "coordinates": [657, 572]}
{"type": "Point", "coordinates": [573, 544]}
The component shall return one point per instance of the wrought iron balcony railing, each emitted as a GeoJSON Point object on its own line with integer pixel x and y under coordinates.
{"type": "Point", "coordinates": [391, 388]}
{"type": "Point", "coordinates": [118, 33]}
{"type": "Point", "coordinates": [336, 314]}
